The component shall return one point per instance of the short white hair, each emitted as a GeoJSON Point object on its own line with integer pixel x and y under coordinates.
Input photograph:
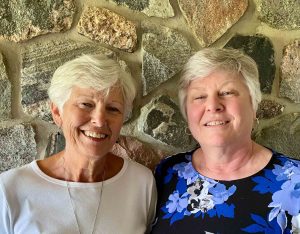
{"type": "Point", "coordinates": [208, 60]}
{"type": "Point", "coordinates": [91, 71]}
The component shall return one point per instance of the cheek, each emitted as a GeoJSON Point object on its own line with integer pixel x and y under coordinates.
{"type": "Point", "coordinates": [194, 113]}
{"type": "Point", "coordinates": [117, 126]}
{"type": "Point", "coordinates": [243, 112]}
{"type": "Point", "coordinates": [73, 121]}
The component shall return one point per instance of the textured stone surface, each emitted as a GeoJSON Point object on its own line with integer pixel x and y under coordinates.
{"type": "Point", "coordinates": [209, 20]}
{"type": "Point", "coordinates": [283, 135]}
{"type": "Point", "coordinates": [130, 147]}
{"type": "Point", "coordinates": [24, 19]}
{"type": "Point", "coordinates": [56, 143]}
{"type": "Point", "coordinates": [268, 109]}
{"type": "Point", "coordinates": [137, 5]}
{"type": "Point", "coordinates": [39, 61]}
{"type": "Point", "coordinates": [290, 72]}
{"type": "Point", "coordinates": [5, 92]}
{"type": "Point", "coordinates": [280, 14]}
{"type": "Point", "coordinates": [17, 145]}
{"type": "Point", "coordinates": [108, 27]}
{"type": "Point", "coordinates": [165, 51]}
{"type": "Point", "coordinates": [157, 8]}
{"type": "Point", "coordinates": [261, 50]}
{"type": "Point", "coordinates": [162, 120]}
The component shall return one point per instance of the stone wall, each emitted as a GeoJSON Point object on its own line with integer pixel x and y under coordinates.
{"type": "Point", "coordinates": [153, 38]}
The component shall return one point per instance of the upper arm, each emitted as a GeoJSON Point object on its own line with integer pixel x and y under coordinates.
{"type": "Point", "coordinates": [5, 217]}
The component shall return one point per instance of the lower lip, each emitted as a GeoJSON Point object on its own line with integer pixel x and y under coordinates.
{"type": "Point", "coordinates": [97, 139]}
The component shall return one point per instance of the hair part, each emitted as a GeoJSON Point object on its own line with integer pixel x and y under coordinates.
{"type": "Point", "coordinates": [91, 71]}
{"type": "Point", "coordinates": [208, 60]}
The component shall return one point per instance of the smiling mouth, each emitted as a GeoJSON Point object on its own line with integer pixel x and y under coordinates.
{"type": "Point", "coordinates": [216, 123]}
{"type": "Point", "coordinates": [94, 134]}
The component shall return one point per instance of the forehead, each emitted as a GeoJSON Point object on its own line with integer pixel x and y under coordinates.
{"type": "Point", "coordinates": [113, 93]}
{"type": "Point", "coordinates": [218, 79]}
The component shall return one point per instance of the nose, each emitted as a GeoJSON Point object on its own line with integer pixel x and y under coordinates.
{"type": "Point", "coordinates": [98, 116]}
{"type": "Point", "coordinates": [214, 104]}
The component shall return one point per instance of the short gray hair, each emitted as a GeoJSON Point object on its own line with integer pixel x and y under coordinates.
{"type": "Point", "coordinates": [208, 60]}
{"type": "Point", "coordinates": [91, 71]}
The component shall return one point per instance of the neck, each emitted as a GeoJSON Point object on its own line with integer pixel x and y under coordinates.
{"type": "Point", "coordinates": [227, 163]}
{"type": "Point", "coordinates": [89, 170]}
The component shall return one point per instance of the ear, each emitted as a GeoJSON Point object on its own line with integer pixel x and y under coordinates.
{"type": "Point", "coordinates": [56, 115]}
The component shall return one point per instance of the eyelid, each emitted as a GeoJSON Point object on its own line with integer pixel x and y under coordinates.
{"type": "Point", "coordinates": [114, 108]}
{"type": "Point", "coordinates": [86, 104]}
{"type": "Point", "coordinates": [198, 96]}
{"type": "Point", "coordinates": [229, 92]}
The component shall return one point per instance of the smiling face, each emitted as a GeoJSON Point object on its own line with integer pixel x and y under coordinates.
{"type": "Point", "coordinates": [91, 120]}
{"type": "Point", "coordinates": [219, 110]}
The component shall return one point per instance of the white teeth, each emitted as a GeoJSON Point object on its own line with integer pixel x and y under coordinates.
{"type": "Point", "coordinates": [94, 134]}
{"type": "Point", "coordinates": [215, 123]}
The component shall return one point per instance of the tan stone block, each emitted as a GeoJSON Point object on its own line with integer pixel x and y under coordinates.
{"type": "Point", "coordinates": [108, 27]}
{"type": "Point", "coordinates": [209, 20]}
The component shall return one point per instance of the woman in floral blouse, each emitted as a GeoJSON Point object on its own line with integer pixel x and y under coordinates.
{"type": "Point", "coordinates": [229, 184]}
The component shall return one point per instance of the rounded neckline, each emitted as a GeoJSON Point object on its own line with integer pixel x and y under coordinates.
{"type": "Point", "coordinates": [228, 181]}
{"type": "Point", "coordinates": [38, 171]}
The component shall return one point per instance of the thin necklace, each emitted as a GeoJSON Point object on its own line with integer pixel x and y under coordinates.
{"type": "Point", "coordinates": [72, 202]}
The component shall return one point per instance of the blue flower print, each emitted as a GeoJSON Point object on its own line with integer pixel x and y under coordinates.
{"type": "Point", "coordinates": [262, 226]}
{"type": "Point", "coordinates": [186, 171]}
{"type": "Point", "coordinates": [288, 198]}
{"type": "Point", "coordinates": [176, 207]}
{"type": "Point", "coordinates": [195, 194]}
{"type": "Point", "coordinates": [177, 203]}
{"type": "Point", "coordinates": [285, 172]}
{"type": "Point", "coordinates": [267, 183]}
{"type": "Point", "coordinates": [221, 194]}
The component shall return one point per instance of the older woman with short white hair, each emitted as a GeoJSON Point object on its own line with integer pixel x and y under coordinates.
{"type": "Point", "coordinates": [230, 184]}
{"type": "Point", "coordinates": [84, 188]}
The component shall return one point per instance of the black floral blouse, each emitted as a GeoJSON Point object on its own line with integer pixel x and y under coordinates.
{"type": "Point", "coordinates": [266, 202]}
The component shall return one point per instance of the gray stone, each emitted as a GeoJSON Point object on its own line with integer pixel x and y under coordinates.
{"type": "Point", "coordinates": [39, 61]}
{"type": "Point", "coordinates": [162, 120]}
{"type": "Point", "coordinates": [17, 145]}
{"type": "Point", "coordinates": [157, 8]}
{"type": "Point", "coordinates": [209, 20]}
{"type": "Point", "coordinates": [5, 92]}
{"type": "Point", "coordinates": [137, 5]}
{"type": "Point", "coordinates": [107, 27]}
{"type": "Point", "coordinates": [268, 109]}
{"type": "Point", "coordinates": [165, 51]}
{"type": "Point", "coordinates": [283, 135]}
{"type": "Point", "coordinates": [56, 143]}
{"type": "Point", "coordinates": [280, 14]}
{"type": "Point", "coordinates": [261, 50]}
{"type": "Point", "coordinates": [24, 19]}
{"type": "Point", "coordinates": [290, 72]}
